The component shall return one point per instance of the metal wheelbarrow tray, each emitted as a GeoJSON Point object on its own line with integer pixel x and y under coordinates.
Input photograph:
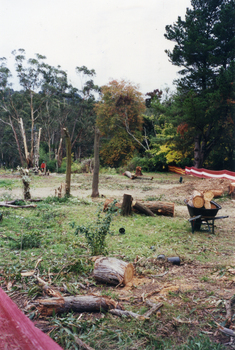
{"type": "Point", "coordinates": [203, 216]}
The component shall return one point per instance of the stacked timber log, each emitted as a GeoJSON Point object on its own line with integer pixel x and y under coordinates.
{"type": "Point", "coordinates": [200, 199]}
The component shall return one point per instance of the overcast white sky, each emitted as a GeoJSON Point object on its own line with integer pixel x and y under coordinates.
{"type": "Point", "coordinates": [120, 39]}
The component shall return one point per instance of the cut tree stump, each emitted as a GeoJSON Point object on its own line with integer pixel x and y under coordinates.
{"type": "Point", "coordinates": [126, 208]}
{"type": "Point", "coordinates": [142, 209]}
{"type": "Point", "coordinates": [138, 171]}
{"type": "Point", "coordinates": [113, 271]}
{"type": "Point", "coordinates": [159, 208]}
{"type": "Point", "coordinates": [78, 303]}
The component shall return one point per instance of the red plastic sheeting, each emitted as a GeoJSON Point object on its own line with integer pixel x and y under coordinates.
{"type": "Point", "coordinates": [216, 174]}
{"type": "Point", "coordinates": [17, 332]}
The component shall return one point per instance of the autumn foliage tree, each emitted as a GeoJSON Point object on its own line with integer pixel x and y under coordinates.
{"type": "Point", "coordinates": [119, 118]}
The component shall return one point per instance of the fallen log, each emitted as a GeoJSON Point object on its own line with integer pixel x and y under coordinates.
{"type": "Point", "coordinates": [4, 204]}
{"type": "Point", "coordinates": [113, 271]}
{"type": "Point", "coordinates": [143, 209]}
{"type": "Point", "coordinates": [129, 174]}
{"type": "Point", "coordinates": [126, 208]}
{"type": "Point", "coordinates": [142, 178]}
{"type": "Point", "coordinates": [78, 303]}
{"type": "Point", "coordinates": [160, 208]}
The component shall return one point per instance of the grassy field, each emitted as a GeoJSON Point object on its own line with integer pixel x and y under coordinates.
{"type": "Point", "coordinates": [193, 294]}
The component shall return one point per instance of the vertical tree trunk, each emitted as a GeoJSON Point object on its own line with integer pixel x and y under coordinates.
{"type": "Point", "coordinates": [68, 161]}
{"type": "Point", "coordinates": [27, 156]}
{"type": "Point", "coordinates": [59, 154]}
{"type": "Point", "coordinates": [17, 142]}
{"type": "Point", "coordinates": [95, 182]}
{"type": "Point", "coordinates": [199, 152]}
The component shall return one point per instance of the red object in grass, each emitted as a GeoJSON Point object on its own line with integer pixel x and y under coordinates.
{"type": "Point", "coordinates": [17, 332]}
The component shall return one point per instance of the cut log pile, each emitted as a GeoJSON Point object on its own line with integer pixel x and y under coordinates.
{"type": "Point", "coordinates": [149, 208]}
{"type": "Point", "coordinates": [200, 199]}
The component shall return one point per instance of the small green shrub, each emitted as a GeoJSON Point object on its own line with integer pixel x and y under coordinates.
{"type": "Point", "coordinates": [27, 241]}
{"type": "Point", "coordinates": [96, 233]}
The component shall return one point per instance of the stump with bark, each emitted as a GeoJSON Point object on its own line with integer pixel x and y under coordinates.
{"type": "Point", "coordinates": [126, 208]}
{"type": "Point", "coordinates": [113, 271]}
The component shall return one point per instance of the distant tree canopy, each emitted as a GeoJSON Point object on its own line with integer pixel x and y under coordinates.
{"type": "Point", "coordinates": [205, 50]}
{"type": "Point", "coordinates": [48, 102]}
{"type": "Point", "coordinates": [119, 118]}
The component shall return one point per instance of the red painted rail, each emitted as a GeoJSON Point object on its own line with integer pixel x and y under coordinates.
{"type": "Point", "coordinates": [17, 332]}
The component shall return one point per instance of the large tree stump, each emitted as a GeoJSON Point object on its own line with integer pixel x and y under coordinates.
{"type": "Point", "coordinates": [113, 271]}
{"type": "Point", "coordinates": [159, 208]}
{"type": "Point", "coordinates": [126, 208]}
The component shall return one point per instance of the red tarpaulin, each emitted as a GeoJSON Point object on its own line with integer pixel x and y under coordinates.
{"type": "Point", "coordinates": [17, 332]}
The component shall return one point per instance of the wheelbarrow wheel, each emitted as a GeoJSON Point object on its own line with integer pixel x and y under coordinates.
{"type": "Point", "coordinates": [196, 225]}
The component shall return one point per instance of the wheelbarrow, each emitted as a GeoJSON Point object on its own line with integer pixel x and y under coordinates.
{"type": "Point", "coordinates": [203, 216]}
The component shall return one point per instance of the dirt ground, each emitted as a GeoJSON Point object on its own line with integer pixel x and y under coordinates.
{"type": "Point", "coordinates": [181, 286]}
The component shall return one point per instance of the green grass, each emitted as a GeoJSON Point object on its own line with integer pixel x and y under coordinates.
{"type": "Point", "coordinates": [49, 230]}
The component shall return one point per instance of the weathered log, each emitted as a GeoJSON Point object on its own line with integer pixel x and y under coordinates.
{"type": "Point", "coordinates": [129, 174]}
{"type": "Point", "coordinates": [78, 303]}
{"type": "Point", "coordinates": [196, 199]}
{"type": "Point", "coordinates": [126, 208]}
{"type": "Point", "coordinates": [142, 209]}
{"type": "Point", "coordinates": [113, 271]}
{"type": "Point", "coordinates": [160, 208]}
{"type": "Point", "coordinates": [142, 178]}
{"type": "Point", "coordinates": [4, 204]}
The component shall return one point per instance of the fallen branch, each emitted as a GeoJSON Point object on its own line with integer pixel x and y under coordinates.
{"type": "Point", "coordinates": [82, 344]}
{"type": "Point", "coordinates": [120, 313]}
{"type": "Point", "coordinates": [154, 308]}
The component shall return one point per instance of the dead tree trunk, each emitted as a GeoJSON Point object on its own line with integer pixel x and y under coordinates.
{"type": "Point", "coordinates": [68, 161]}
{"type": "Point", "coordinates": [113, 271]}
{"type": "Point", "coordinates": [95, 182]}
{"type": "Point", "coordinates": [126, 208]}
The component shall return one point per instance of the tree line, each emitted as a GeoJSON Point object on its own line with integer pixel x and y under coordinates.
{"type": "Point", "coordinates": [194, 125]}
